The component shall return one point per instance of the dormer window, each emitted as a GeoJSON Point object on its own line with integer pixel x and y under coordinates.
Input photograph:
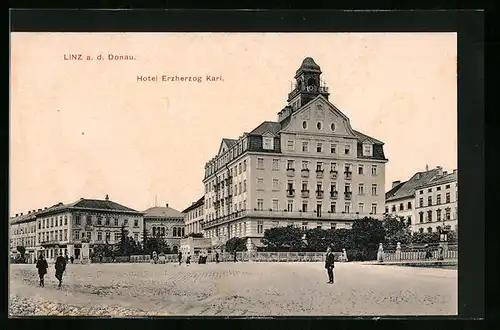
{"type": "Point", "coordinates": [268, 143]}
{"type": "Point", "coordinates": [367, 149]}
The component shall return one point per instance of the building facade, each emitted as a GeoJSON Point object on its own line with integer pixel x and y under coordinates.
{"type": "Point", "coordinates": [22, 232]}
{"type": "Point", "coordinates": [62, 228]}
{"type": "Point", "coordinates": [193, 217]}
{"type": "Point", "coordinates": [309, 169]}
{"type": "Point", "coordinates": [165, 222]}
{"type": "Point", "coordinates": [437, 204]}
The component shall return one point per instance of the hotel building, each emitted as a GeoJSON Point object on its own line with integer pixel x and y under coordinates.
{"type": "Point", "coordinates": [437, 204]}
{"type": "Point", "coordinates": [165, 222]}
{"type": "Point", "coordinates": [308, 169]}
{"type": "Point", "coordinates": [23, 233]}
{"type": "Point", "coordinates": [193, 217]}
{"type": "Point", "coordinates": [63, 228]}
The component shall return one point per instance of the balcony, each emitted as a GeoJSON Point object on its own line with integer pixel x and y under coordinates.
{"type": "Point", "coordinates": [333, 174]}
{"type": "Point", "coordinates": [334, 194]}
{"type": "Point", "coordinates": [348, 195]}
{"type": "Point", "coordinates": [319, 173]}
{"type": "Point", "coordinates": [304, 193]}
{"type": "Point", "coordinates": [290, 172]}
{"type": "Point", "coordinates": [290, 193]}
{"type": "Point", "coordinates": [347, 175]}
{"type": "Point", "coordinates": [304, 172]}
{"type": "Point", "coordinates": [229, 179]}
{"type": "Point", "coordinates": [319, 194]}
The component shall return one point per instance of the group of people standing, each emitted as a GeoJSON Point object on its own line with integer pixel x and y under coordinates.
{"type": "Point", "coordinates": [60, 266]}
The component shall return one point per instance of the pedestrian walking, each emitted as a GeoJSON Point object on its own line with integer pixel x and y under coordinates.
{"type": "Point", "coordinates": [329, 264]}
{"type": "Point", "coordinates": [42, 266]}
{"type": "Point", "coordinates": [66, 258]}
{"type": "Point", "coordinates": [234, 256]}
{"type": "Point", "coordinates": [60, 268]}
{"type": "Point", "coordinates": [188, 259]}
{"type": "Point", "coordinates": [217, 257]}
{"type": "Point", "coordinates": [180, 258]}
{"type": "Point", "coordinates": [72, 259]}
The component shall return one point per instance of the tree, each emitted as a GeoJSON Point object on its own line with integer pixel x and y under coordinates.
{"type": "Point", "coordinates": [396, 230]}
{"type": "Point", "coordinates": [236, 244]}
{"type": "Point", "coordinates": [283, 239]}
{"type": "Point", "coordinates": [341, 239]}
{"type": "Point", "coordinates": [156, 243]}
{"type": "Point", "coordinates": [367, 233]}
{"type": "Point", "coordinates": [124, 245]}
{"type": "Point", "coordinates": [318, 240]}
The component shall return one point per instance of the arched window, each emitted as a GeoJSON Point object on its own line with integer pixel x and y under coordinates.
{"type": "Point", "coordinates": [174, 230]}
{"type": "Point", "coordinates": [154, 231]}
{"type": "Point", "coordinates": [162, 231]}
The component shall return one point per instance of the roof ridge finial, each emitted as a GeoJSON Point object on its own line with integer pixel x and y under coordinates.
{"type": "Point", "coordinates": [107, 197]}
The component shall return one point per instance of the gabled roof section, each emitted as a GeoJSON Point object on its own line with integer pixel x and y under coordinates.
{"type": "Point", "coordinates": [365, 138]}
{"type": "Point", "coordinates": [407, 190]}
{"type": "Point", "coordinates": [196, 204]}
{"type": "Point", "coordinates": [162, 212]}
{"type": "Point", "coordinates": [101, 205]}
{"type": "Point", "coordinates": [393, 190]}
{"type": "Point", "coordinates": [226, 144]}
{"type": "Point", "coordinates": [267, 126]}
{"type": "Point", "coordinates": [438, 180]}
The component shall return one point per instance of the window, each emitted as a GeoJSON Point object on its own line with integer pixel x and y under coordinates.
{"type": "Point", "coordinates": [409, 206]}
{"type": "Point", "coordinates": [240, 189]}
{"type": "Point", "coordinates": [290, 146]}
{"type": "Point", "coordinates": [347, 187]}
{"type": "Point", "coordinates": [76, 235]}
{"type": "Point", "coordinates": [107, 221]}
{"type": "Point", "coordinates": [332, 126]}
{"type": "Point", "coordinates": [276, 184]}
{"type": "Point", "coordinates": [421, 192]}
{"type": "Point", "coordinates": [447, 197]}
{"type": "Point", "coordinates": [125, 222]}
{"type": "Point", "coordinates": [61, 236]}
{"type": "Point", "coordinates": [438, 215]}
{"type": "Point", "coordinates": [304, 206]}
{"type": "Point", "coordinates": [429, 190]}
{"type": "Point", "coordinates": [99, 235]}
{"type": "Point", "coordinates": [51, 222]}
{"type": "Point", "coordinates": [304, 124]}
{"type": "Point", "coordinates": [401, 207]}
{"type": "Point", "coordinates": [374, 170]}
{"type": "Point", "coordinates": [290, 164]}
{"type": "Point", "coordinates": [387, 209]}
{"type": "Point", "coordinates": [319, 126]}
{"type": "Point", "coordinates": [347, 149]}
{"type": "Point", "coordinates": [361, 189]}
{"type": "Point", "coordinates": [136, 223]}
{"type": "Point", "coordinates": [65, 220]}
{"type": "Point", "coordinates": [429, 216]}
{"type": "Point", "coordinates": [136, 237]}
{"type": "Point", "coordinates": [116, 221]}
{"type": "Point", "coordinates": [60, 221]}
{"type": "Point", "coordinates": [260, 183]}
{"type": "Point", "coordinates": [360, 169]}
{"type": "Point", "coordinates": [117, 237]}
{"type": "Point", "coordinates": [438, 188]}
{"type": "Point", "coordinates": [289, 206]}
{"type": "Point", "coordinates": [374, 189]}
{"type": "Point", "coordinates": [333, 207]}
{"type": "Point", "coordinates": [319, 225]}
{"type": "Point", "coordinates": [438, 199]}
{"type": "Point", "coordinates": [305, 146]}
{"type": "Point", "coordinates": [260, 227]}
{"type": "Point", "coordinates": [244, 185]}
{"type": "Point", "coordinates": [236, 189]}
{"type": "Point", "coordinates": [361, 207]}
{"type": "Point", "coordinates": [408, 220]}
{"type": "Point", "coordinates": [276, 164]}
{"type": "Point", "coordinates": [39, 224]}
{"type": "Point", "coordinates": [421, 202]}
{"type": "Point", "coordinates": [268, 143]}
{"type": "Point", "coordinates": [367, 149]}
{"type": "Point", "coordinates": [304, 225]}
{"type": "Point", "coordinates": [447, 186]}
{"type": "Point", "coordinates": [333, 148]}
{"type": "Point", "coordinates": [77, 220]}
{"type": "Point", "coordinates": [447, 214]}
{"type": "Point", "coordinates": [347, 207]}
{"type": "Point", "coordinates": [245, 165]}
{"type": "Point", "coordinates": [304, 185]}
{"type": "Point", "coordinates": [374, 208]}
{"type": "Point", "coordinates": [275, 205]}
{"type": "Point", "coordinates": [260, 204]}
{"type": "Point", "coordinates": [304, 165]}
{"type": "Point", "coordinates": [260, 163]}
{"type": "Point", "coordinates": [108, 236]}
{"type": "Point", "coordinates": [319, 147]}
{"type": "Point", "coordinates": [429, 201]}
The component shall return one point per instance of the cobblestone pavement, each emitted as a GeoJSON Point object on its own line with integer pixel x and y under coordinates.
{"type": "Point", "coordinates": [244, 289]}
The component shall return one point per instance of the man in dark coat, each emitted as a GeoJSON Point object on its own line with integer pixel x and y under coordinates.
{"type": "Point", "coordinates": [72, 259]}
{"type": "Point", "coordinates": [60, 268]}
{"type": "Point", "coordinates": [217, 257]}
{"type": "Point", "coordinates": [234, 256]}
{"type": "Point", "coordinates": [42, 266]}
{"type": "Point", "coordinates": [329, 264]}
{"type": "Point", "coordinates": [180, 258]}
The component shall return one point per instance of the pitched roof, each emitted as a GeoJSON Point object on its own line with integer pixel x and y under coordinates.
{"type": "Point", "coordinates": [408, 188]}
{"type": "Point", "coordinates": [229, 142]}
{"type": "Point", "coordinates": [391, 192]}
{"type": "Point", "coordinates": [267, 126]}
{"type": "Point", "coordinates": [101, 205]}
{"type": "Point", "coordinates": [449, 177]}
{"type": "Point", "coordinates": [162, 212]}
{"type": "Point", "coordinates": [362, 137]}
{"type": "Point", "coordinates": [194, 205]}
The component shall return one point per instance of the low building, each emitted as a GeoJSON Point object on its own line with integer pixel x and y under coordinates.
{"type": "Point", "coordinates": [400, 200]}
{"type": "Point", "coordinates": [165, 222]}
{"type": "Point", "coordinates": [62, 228]}
{"type": "Point", "coordinates": [193, 217]}
{"type": "Point", "coordinates": [437, 204]}
{"type": "Point", "coordinates": [23, 233]}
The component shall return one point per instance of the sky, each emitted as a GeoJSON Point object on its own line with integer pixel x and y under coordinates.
{"type": "Point", "coordinates": [88, 128]}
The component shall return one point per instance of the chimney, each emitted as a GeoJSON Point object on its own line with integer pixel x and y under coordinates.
{"type": "Point", "coordinates": [455, 171]}
{"type": "Point", "coordinates": [21, 213]}
{"type": "Point", "coordinates": [426, 167]}
{"type": "Point", "coordinates": [39, 210]}
{"type": "Point", "coordinates": [166, 205]}
{"type": "Point", "coordinates": [395, 183]}
{"type": "Point", "coordinates": [107, 197]}
{"type": "Point", "coordinates": [440, 170]}
{"type": "Point", "coordinates": [17, 214]}
{"type": "Point", "coordinates": [45, 208]}
{"type": "Point", "coordinates": [29, 212]}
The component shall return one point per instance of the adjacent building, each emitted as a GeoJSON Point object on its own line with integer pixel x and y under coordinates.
{"type": "Point", "coordinates": [165, 222]}
{"type": "Point", "coordinates": [308, 169]}
{"type": "Point", "coordinates": [63, 228]}
{"type": "Point", "coordinates": [400, 200]}
{"type": "Point", "coordinates": [193, 217]}
{"type": "Point", "coordinates": [23, 233]}
{"type": "Point", "coordinates": [437, 204]}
